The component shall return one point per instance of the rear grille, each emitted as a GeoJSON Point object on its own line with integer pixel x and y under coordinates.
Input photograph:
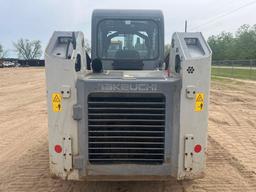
{"type": "Point", "coordinates": [126, 128]}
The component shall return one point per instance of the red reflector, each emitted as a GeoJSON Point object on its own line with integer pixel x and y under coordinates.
{"type": "Point", "coordinates": [58, 149]}
{"type": "Point", "coordinates": [198, 148]}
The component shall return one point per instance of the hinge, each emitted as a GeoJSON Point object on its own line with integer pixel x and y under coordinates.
{"type": "Point", "coordinates": [77, 112]}
{"type": "Point", "coordinates": [67, 153]}
{"type": "Point", "coordinates": [188, 152]}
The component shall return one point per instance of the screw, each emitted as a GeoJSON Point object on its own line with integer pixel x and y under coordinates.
{"type": "Point", "coordinates": [64, 154]}
{"type": "Point", "coordinates": [65, 169]}
{"type": "Point", "coordinates": [63, 138]}
{"type": "Point", "coordinates": [67, 92]}
{"type": "Point", "coordinates": [188, 92]}
{"type": "Point", "coordinates": [62, 92]}
{"type": "Point", "coordinates": [192, 138]}
{"type": "Point", "coordinates": [186, 138]}
{"type": "Point", "coordinates": [69, 138]}
{"type": "Point", "coordinates": [194, 92]}
{"type": "Point", "coordinates": [186, 154]}
{"type": "Point", "coordinates": [190, 169]}
{"type": "Point", "coordinates": [191, 153]}
{"type": "Point", "coordinates": [185, 169]}
{"type": "Point", "coordinates": [70, 154]}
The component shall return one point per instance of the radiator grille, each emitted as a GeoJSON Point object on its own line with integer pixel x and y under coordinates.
{"type": "Point", "coordinates": [126, 128]}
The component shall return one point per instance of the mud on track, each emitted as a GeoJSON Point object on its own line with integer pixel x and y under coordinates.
{"type": "Point", "coordinates": [231, 162]}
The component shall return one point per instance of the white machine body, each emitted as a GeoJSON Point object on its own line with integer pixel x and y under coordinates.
{"type": "Point", "coordinates": [146, 124]}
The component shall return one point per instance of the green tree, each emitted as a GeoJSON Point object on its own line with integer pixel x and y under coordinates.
{"type": "Point", "coordinates": [222, 45]}
{"type": "Point", "coordinates": [246, 42]}
{"type": "Point", "coordinates": [242, 45]}
{"type": "Point", "coordinates": [27, 49]}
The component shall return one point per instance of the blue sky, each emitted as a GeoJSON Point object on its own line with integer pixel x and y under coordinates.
{"type": "Point", "coordinates": [37, 19]}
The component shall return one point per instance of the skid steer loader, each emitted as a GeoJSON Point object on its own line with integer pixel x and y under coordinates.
{"type": "Point", "coordinates": [126, 112]}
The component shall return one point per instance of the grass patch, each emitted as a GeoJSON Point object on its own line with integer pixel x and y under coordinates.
{"type": "Point", "coordinates": [234, 73]}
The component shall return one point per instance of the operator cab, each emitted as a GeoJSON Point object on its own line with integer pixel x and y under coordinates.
{"type": "Point", "coordinates": [128, 39]}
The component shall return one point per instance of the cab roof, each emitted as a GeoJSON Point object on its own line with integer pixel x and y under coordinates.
{"type": "Point", "coordinates": [127, 14]}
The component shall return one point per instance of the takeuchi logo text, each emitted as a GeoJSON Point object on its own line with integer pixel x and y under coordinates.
{"type": "Point", "coordinates": [128, 87]}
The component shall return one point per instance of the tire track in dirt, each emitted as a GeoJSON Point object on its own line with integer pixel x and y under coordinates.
{"type": "Point", "coordinates": [239, 135]}
{"type": "Point", "coordinates": [233, 161]}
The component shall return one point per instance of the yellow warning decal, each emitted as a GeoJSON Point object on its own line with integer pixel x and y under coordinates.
{"type": "Point", "coordinates": [56, 102]}
{"type": "Point", "coordinates": [199, 104]}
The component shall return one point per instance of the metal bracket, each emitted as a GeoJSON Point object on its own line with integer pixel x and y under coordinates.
{"type": "Point", "coordinates": [190, 92]}
{"type": "Point", "coordinates": [188, 152]}
{"type": "Point", "coordinates": [67, 153]}
{"type": "Point", "coordinates": [65, 91]}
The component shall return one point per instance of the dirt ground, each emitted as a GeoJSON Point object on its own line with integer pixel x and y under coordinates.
{"type": "Point", "coordinates": [231, 161]}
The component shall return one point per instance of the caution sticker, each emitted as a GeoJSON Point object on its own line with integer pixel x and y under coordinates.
{"type": "Point", "coordinates": [56, 102]}
{"type": "Point", "coordinates": [199, 104]}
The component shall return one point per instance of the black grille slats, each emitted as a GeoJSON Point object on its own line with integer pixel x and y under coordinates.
{"type": "Point", "coordinates": [126, 128]}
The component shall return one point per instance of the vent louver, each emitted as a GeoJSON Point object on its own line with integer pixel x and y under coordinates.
{"type": "Point", "coordinates": [126, 128]}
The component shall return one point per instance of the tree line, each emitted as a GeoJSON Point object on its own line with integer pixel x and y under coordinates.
{"type": "Point", "coordinates": [29, 49]}
{"type": "Point", "coordinates": [25, 49]}
{"type": "Point", "coordinates": [240, 45]}
{"type": "Point", "coordinates": [226, 45]}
